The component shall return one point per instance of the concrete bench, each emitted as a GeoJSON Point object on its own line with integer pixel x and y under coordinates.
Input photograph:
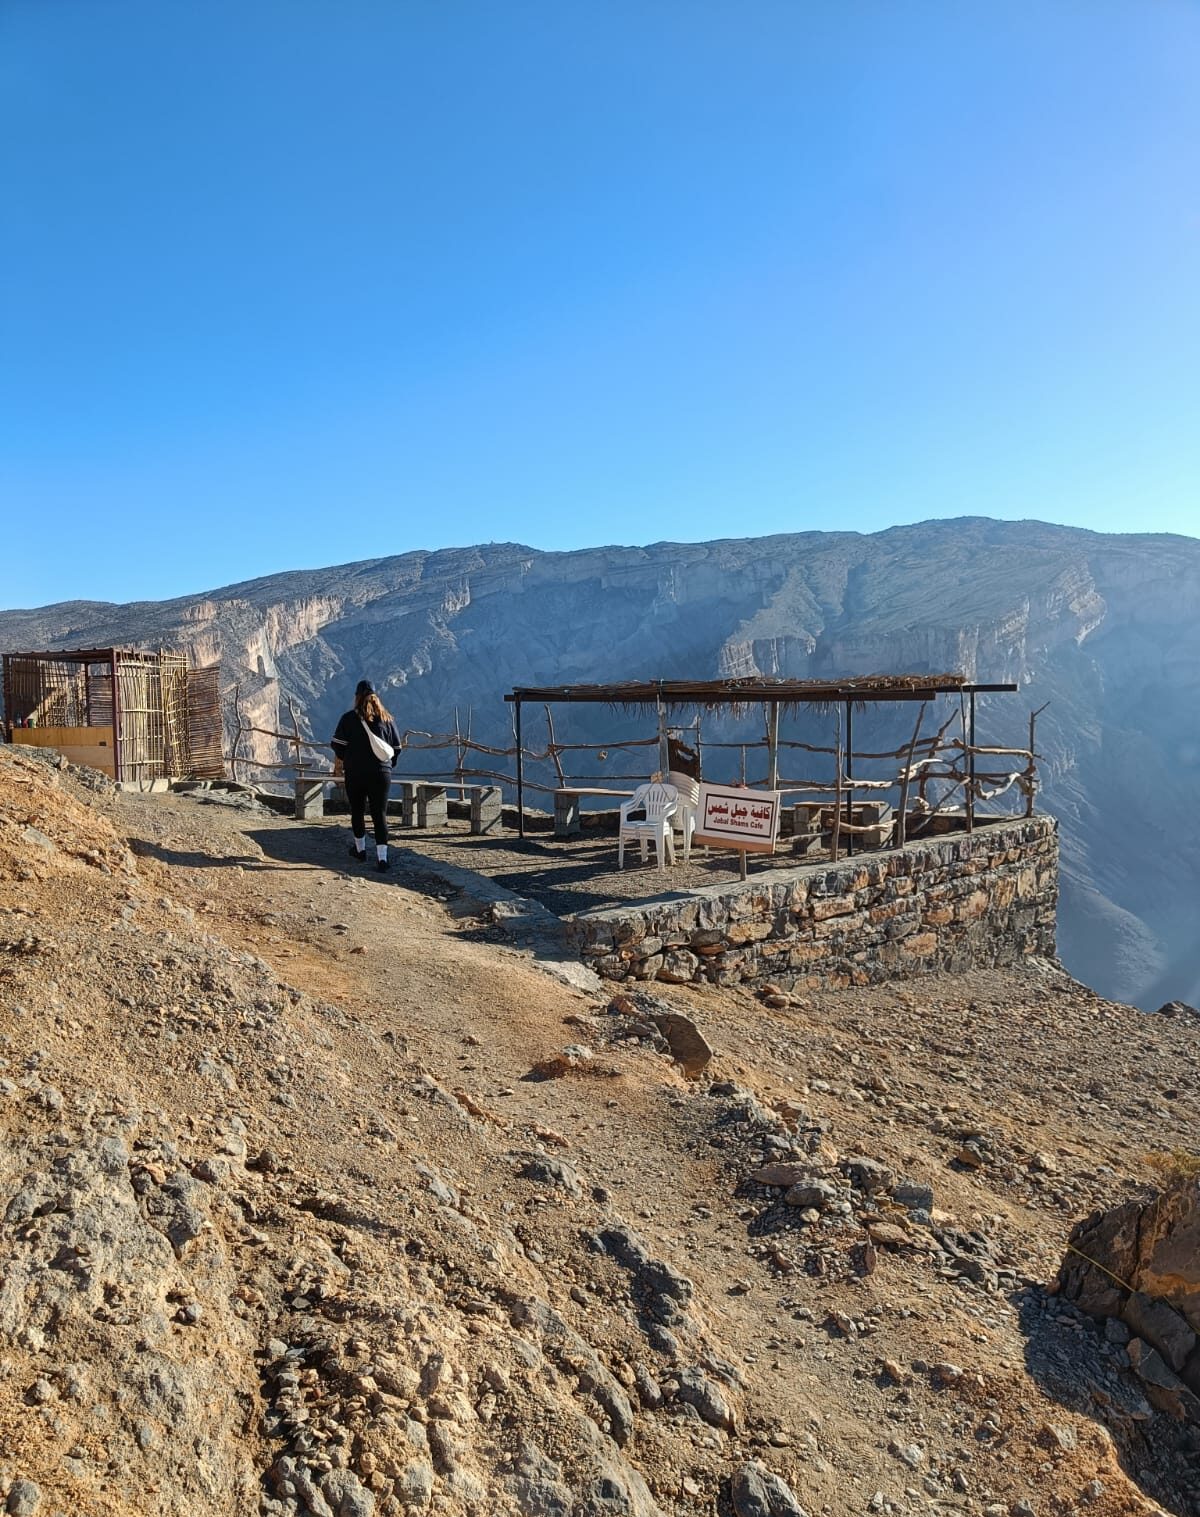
{"type": "Point", "coordinates": [812, 825]}
{"type": "Point", "coordinates": [310, 796]}
{"type": "Point", "coordinates": [422, 803]}
{"type": "Point", "coordinates": [568, 818]}
{"type": "Point", "coordinates": [486, 808]}
{"type": "Point", "coordinates": [921, 824]}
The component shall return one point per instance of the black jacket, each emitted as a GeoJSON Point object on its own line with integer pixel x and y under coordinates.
{"type": "Point", "coordinates": [353, 747]}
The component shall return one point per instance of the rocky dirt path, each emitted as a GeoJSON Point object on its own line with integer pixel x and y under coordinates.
{"type": "Point", "coordinates": [433, 1282]}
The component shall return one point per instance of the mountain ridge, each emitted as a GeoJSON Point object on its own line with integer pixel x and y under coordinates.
{"type": "Point", "coordinates": [359, 565]}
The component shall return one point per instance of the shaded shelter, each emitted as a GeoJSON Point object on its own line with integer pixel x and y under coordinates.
{"type": "Point", "coordinates": [736, 696]}
{"type": "Point", "coordinates": [134, 715]}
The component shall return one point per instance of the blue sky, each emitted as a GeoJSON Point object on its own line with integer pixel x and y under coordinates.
{"type": "Point", "coordinates": [285, 283]}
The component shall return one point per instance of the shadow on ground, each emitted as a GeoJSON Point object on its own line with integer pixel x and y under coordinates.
{"type": "Point", "coordinates": [328, 848]}
{"type": "Point", "coordinates": [563, 884]}
{"type": "Point", "coordinates": [566, 885]}
{"type": "Point", "coordinates": [181, 859]}
{"type": "Point", "coordinates": [1073, 1362]}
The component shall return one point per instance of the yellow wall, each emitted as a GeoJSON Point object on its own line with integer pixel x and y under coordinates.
{"type": "Point", "coordinates": [92, 746]}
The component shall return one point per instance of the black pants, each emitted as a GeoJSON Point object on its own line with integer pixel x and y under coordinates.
{"type": "Point", "coordinates": [371, 792]}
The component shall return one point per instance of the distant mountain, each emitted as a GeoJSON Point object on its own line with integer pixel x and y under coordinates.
{"type": "Point", "coordinates": [1106, 628]}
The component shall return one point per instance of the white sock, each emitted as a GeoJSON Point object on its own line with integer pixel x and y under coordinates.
{"type": "Point", "coordinates": [381, 850]}
{"type": "Point", "coordinates": [361, 843]}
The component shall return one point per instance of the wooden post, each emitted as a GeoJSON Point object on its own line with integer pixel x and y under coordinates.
{"type": "Point", "coordinates": [970, 735]}
{"type": "Point", "coordinates": [237, 736]}
{"type": "Point", "coordinates": [664, 746]}
{"type": "Point", "coordinates": [1031, 771]}
{"type": "Point", "coordinates": [553, 747]}
{"type": "Point", "coordinates": [118, 768]}
{"type": "Point", "coordinates": [295, 736]}
{"type": "Point", "coordinates": [850, 775]}
{"type": "Point", "coordinates": [773, 746]}
{"type": "Point", "coordinates": [906, 777]}
{"type": "Point", "coordinates": [836, 837]}
{"type": "Point", "coordinates": [520, 769]}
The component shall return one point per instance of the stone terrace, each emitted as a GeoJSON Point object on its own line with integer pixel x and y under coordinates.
{"type": "Point", "coordinates": [954, 903]}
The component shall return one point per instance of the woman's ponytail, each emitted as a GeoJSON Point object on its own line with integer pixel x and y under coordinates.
{"type": "Point", "coordinates": [371, 709]}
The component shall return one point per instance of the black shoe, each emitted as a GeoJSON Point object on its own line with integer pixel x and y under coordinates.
{"type": "Point", "coordinates": [356, 854]}
{"type": "Point", "coordinates": [382, 866]}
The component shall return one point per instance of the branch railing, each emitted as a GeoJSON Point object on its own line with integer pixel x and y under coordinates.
{"type": "Point", "coordinates": [935, 771]}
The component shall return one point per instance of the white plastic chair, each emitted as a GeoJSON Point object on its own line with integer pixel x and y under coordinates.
{"type": "Point", "coordinates": [659, 802]}
{"type": "Point", "coordinates": [689, 803]}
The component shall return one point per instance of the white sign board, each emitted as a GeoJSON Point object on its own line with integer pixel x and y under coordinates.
{"type": "Point", "coordinates": [730, 817]}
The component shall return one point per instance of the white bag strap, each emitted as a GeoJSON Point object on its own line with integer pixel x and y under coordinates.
{"type": "Point", "coordinates": [384, 752]}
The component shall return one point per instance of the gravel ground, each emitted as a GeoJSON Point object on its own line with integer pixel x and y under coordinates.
{"type": "Point", "coordinates": [578, 874]}
{"type": "Point", "coordinates": [291, 1220]}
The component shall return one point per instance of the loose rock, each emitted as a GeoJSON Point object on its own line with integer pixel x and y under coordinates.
{"type": "Point", "coordinates": [757, 1492]}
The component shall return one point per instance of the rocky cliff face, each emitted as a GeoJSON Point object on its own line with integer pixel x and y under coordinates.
{"type": "Point", "coordinates": [1102, 627]}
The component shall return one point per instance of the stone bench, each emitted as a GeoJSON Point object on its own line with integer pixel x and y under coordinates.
{"type": "Point", "coordinates": [812, 825]}
{"type": "Point", "coordinates": [422, 803]}
{"type": "Point", "coordinates": [310, 796]}
{"type": "Point", "coordinates": [568, 816]}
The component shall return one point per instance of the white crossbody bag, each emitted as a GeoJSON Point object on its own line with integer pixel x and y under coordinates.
{"type": "Point", "coordinates": [384, 752]}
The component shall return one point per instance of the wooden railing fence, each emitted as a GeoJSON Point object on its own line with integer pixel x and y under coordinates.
{"type": "Point", "coordinates": [935, 771]}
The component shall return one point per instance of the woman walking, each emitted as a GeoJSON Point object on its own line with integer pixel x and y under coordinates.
{"type": "Point", "coordinates": [366, 744]}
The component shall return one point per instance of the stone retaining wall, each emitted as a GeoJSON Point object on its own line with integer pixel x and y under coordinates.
{"type": "Point", "coordinates": [952, 903]}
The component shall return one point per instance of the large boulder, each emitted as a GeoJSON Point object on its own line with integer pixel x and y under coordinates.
{"type": "Point", "coordinates": [1141, 1263]}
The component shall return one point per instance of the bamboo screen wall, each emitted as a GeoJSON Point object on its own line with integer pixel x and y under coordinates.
{"type": "Point", "coordinates": [205, 728]}
{"type": "Point", "coordinates": [49, 691]}
{"type": "Point", "coordinates": [165, 718]}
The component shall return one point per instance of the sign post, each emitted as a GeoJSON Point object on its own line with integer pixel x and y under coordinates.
{"type": "Point", "coordinates": [731, 816]}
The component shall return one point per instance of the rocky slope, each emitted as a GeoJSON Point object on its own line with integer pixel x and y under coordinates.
{"type": "Point", "coordinates": [1104, 627]}
{"type": "Point", "coordinates": [304, 1210]}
